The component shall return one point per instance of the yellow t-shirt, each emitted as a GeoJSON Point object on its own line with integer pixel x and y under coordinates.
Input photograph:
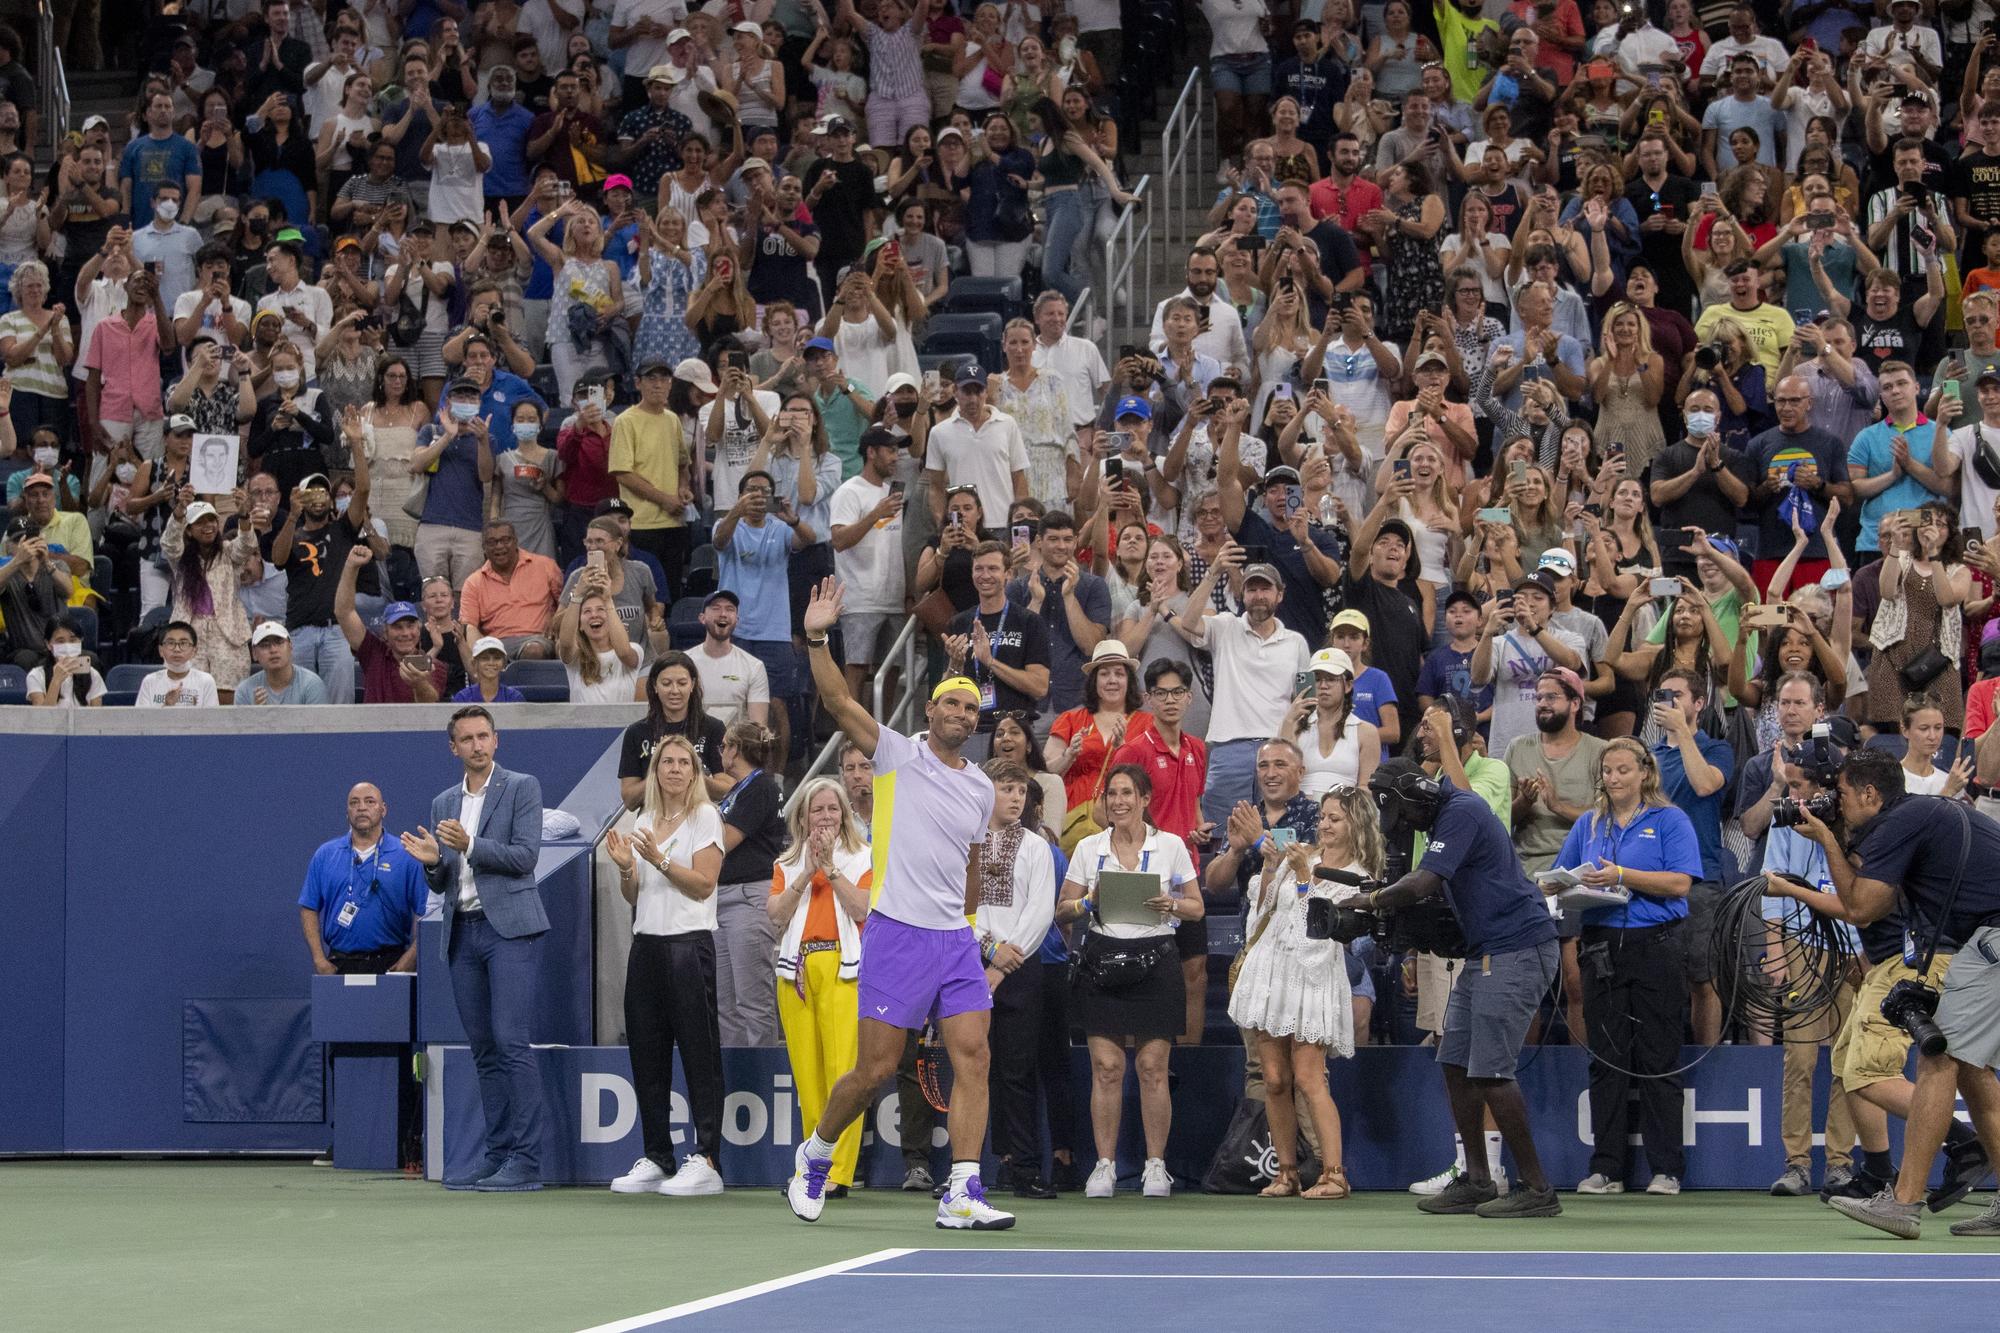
{"type": "Point", "coordinates": [1457, 34]}
{"type": "Point", "coordinates": [648, 443]}
{"type": "Point", "coordinates": [1769, 328]}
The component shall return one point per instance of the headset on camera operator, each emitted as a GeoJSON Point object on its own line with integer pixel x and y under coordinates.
{"type": "Point", "coordinates": [1510, 950]}
{"type": "Point", "coordinates": [1934, 858]}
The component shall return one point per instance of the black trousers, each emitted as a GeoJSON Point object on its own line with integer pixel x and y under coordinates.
{"type": "Point", "coordinates": [1052, 1047]}
{"type": "Point", "coordinates": [1014, 1041]}
{"type": "Point", "coordinates": [670, 547]}
{"type": "Point", "coordinates": [913, 1109]}
{"type": "Point", "coordinates": [409, 1115]}
{"type": "Point", "coordinates": [1635, 1008]}
{"type": "Point", "coordinates": [670, 1001]}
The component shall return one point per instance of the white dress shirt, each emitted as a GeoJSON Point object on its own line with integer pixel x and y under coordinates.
{"type": "Point", "coordinates": [471, 805]}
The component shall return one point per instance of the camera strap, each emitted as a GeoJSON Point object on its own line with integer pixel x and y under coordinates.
{"type": "Point", "coordinates": [1950, 894]}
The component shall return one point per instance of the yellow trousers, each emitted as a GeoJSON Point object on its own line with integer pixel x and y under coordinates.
{"type": "Point", "coordinates": [823, 1035]}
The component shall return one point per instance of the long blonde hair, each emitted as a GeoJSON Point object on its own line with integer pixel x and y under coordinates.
{"type": "Point", "coordinates": [1364, 826]}
{"type": "Point", "coordinates": [1651, 793]}
{"type": "Point", "coordinates": [1645, 329]}
{"type": "Point", "coordinates": [576, 649]}
{"type": "Point", "coordinates": [655, 807]}
{"type": "Point", "coordinates": [851, 837]}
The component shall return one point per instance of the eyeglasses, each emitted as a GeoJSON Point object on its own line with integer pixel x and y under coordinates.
{"type": "Point", "coordinates": [1174, 692]}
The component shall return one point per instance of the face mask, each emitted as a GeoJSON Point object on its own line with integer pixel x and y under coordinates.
{"type": "Point", "coordinates": [1701, 424]}
{"type": "Point", "coordinates": [61, 650]}
{"type": "Point", "coordinates": [286, 379]}
{"type": "Point", "coordinates": [527, 430]}
{"type": "Point", "coordinates": [46, 457]}
{"type": "Point", "coordinates": [340, 505]}
{"type": "Point", "coordinates": [464, 411]}
{"type": "Point", "coordinates": [167, 210]}
{"type": "Point", "coordinates": [126, 472]}
{"type": "Point", "coordinates": [258, 226]}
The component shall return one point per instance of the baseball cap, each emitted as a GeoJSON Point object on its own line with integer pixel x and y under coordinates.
{"type": "Point", "coordinates": [317, 481]}
{"type": "Point", "coordinates": [1133, 406]}
{"type": "Point", "coordinates": [751, 164]}
{"type": "Point", "coordinates": [900, 380]}
{"type": "Point", "coordinates": [268, 630]}
{"type": "Point", "coordinates": [721, 595]}
{"type": "Point", "coordinates": [1268, 573]}
{"type": "Point", "coordinates": [489, 644]}
{"type": "Point", "coordinates": [611, 505]}
{"type": "Point", "coordinates": [1332, 662]}
{"type": "Point", "coordinates": [617, 182]}
{"type": "Point", "coordinates": [347, 243]}
{"type": "Point", "coordinates": [1458, 595]}
{"type": "Point", "coordinates": [396, 611]}
{"type": "Point", "coordinates": [693, 370]}
{"type": "Point", "coordinates": [92, 122]}
{"type": "Point", "coordinates": [198, 511]}
{"type": "Point", "coordinates": [819, 345]}
{"type": "Point", "coordinates": [970, 373]}
{"type": "Point", "coordinates": [39, 479]}
{"type": "Point", "coordinates": [665, 73]}
{"type": "Point", "coordinates": [466, 384]}
{"type": "Point", "coordinates": [180, 423]}
{"type": "Point", "coordinates": [1988, 374]}
{"type": "Point", "coordinates": [677, 35]}
{"type": "Point", "coordinates": [1398, 528]}
{"type": "Point", "coordinates": [1557, 561]}
{"type": "Point", "coordinates": [1281, 476]}
{"type": "Point", "coordinates": [881, 437]}
{"type": "Point", "coordinates": [748, 29]}
{"type": "Point", "coordinates": [1540, 581]}
{"type": "Point", "coordinates": [1571, 682]}
{"type": "Point", "coordinates": [1432, 357]}
{"type": "Point", "coordinates": [653, 366]}
{"type": "Point", "coordinates": [1350, 619]}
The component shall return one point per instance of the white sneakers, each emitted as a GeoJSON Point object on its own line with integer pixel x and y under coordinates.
{"type": "Point", "coordinates": [1599, 1183]}
{"type": "Point", "coordinates": [1434, 1185]}
{"type": "Point", "coordinates": [966, 1209]}
{"type": "Point", "coordinates": [806, 1191]}
{"type": "Point", "coordinates": [1664, 1185]}
{"type": "Point", "coordinates": [695, 1179]}
{"type": "Point", "coordinates": [1156, 1183]}
{"type": "Point", "coordinates": [1103, 1182]}
{"type": "Point", "coordinates": [645, 1177]}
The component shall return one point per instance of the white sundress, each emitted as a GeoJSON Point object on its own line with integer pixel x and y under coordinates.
{"type": "Point", "coordinates": [1291, 986]}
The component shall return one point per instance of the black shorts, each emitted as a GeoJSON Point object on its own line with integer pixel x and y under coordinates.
{"type": "Point", "coordinates": [1191, 939]}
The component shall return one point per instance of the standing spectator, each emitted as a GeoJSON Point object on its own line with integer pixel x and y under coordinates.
{"type": "Point", "coordinates": [755, 542]}
{"type": "Point", "coordinates": [205, 573]}
{"type": "Point", "coordinates": [168, 246]}
{"type": "Point", "coordinates": [753, 835]}
{"type": "Point", "coordinates": [1519, 645]}
{"type": "Point", "coordinates": [1010, 666]}
{"type": "Point", "coordinates": [649, 460]}
{"type": "Point", "coordinates": [1698, 482]}
{"type": "Point", "coordinates": [1693, 769]}
{"type": "Point", "coordinates": [840, 191]}
{"type": "Point", "coordinates": [674, 707]}
{"type": "Point", "coordinates": [897, 98]}
{"type": "Point", "coordinates": [734, 683]}
{"type": "Point", "coordinates": [976, 446]}
{"type": "Point", "coordinates": [583, 453]}
{"type": "Point", "coordinates": [502, 123]}
{"type": "Point", "coordinates": [179, 683]}
{"type": "Point", "coordinates": [153, 159]}
{"type": "Point", "coordinates": [34, 587]}
{"type": "Point", "coordinates": [1074, 604]}
{"type": "Point", "coordinates": [456, 452]}
{"type": "Point", "coordinates": [123, 391]}
{"type": "Point", "coordinates": [1892, 465]}
{"type": "Point", "coordinates": [458, 162]}
{"type": "Point", "coordinates": [865, 524]}
{"type": "Point", "coordinates": [1796, 469]}
{"type": "Point", "coordinates": [35, 343]}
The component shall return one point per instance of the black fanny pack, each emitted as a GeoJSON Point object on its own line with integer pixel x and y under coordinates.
{"type": "Point", "coordinates": [1122, 964]}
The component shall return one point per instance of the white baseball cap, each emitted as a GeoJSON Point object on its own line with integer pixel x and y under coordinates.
{"type": "Point", "coordinates": [489, 644]}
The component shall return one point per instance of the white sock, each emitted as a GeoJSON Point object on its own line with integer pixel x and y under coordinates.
{"type": "Point", "coordinates": [817, 1148]}
{"type": "Point", "coordinates": [1458, 1152]}
{"type": "Point", "coordinates": [1493, 1150]}
{"type": "Point", "coordinates": [961, 1172]}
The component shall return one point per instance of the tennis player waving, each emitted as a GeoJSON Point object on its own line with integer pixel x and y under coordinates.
{"type": "Point", "coordinates": [918, 953]}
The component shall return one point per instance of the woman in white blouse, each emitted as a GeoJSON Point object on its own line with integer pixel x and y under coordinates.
{"type": "Point", "coordinates": [819, 898]}
{"type": "Point", "coordinates": [667, 870]}
{"type": "Point", "coordinates": [1128, 981]}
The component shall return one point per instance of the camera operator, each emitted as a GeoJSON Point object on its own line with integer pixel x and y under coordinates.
{"type": "Point", "coordinates": [1511, 958]}
{"type": "Point", "coordinates": [1918, 850]}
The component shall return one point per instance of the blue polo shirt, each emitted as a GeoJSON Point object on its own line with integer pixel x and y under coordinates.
{"type": "Point", "coordinates": [1704, 812]}
{"type": "Point", "coordinates": [505, 134]}
{"type": "Point", "coordinates": [497, 406]}
{"type": "Point", "coordinates": [1497, 905]}
{"type": "Point", "coordinates": [756, 567]}
{"type": "Point", "coordinates": [386, 890]}
{"type": "Point", "coordinates": [1658, 837]}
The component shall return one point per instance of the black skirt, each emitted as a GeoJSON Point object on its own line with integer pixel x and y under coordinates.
{"type": "Point", "coordinates": [1152, 1008]}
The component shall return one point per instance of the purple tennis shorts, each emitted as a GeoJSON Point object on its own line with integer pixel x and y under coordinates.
{"type": "Point", "coordinates": [909, 973]}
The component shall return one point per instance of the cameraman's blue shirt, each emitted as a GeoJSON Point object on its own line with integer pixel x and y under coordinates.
{"type": "Point", "coordinates": [1497, 906]}
{"type": "Point", "coordinates": [1658, 837]}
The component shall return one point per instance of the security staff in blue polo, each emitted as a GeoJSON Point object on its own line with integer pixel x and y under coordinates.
{"type": "Point", "coordinates": [479, 853]}
{"type": "Point", "coordinates": [363, 896]}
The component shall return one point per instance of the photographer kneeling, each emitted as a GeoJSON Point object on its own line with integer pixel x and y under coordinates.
{"type": "Point", "coordinates": [1919, 849]}
{"type": "Point", "coordinates": [1511, 953]}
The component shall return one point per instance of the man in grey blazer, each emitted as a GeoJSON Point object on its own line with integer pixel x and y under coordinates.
{"type": "Point", "coordinates": [480, 854]}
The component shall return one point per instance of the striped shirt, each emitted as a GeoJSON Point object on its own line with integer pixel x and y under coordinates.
{"type": "Point", "coordinates": [894, 64]}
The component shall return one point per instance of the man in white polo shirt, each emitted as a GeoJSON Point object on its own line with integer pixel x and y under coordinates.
{"type": "Point", "coordinates": [1075, 363]}
{"type": "Point", "coordinates": [1257, 661]}
{"type": "Point", "coordinates": [977, 446]}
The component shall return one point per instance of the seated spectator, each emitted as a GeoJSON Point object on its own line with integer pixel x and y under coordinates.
{"type": "Point", "coordinates": [277, 680]}
{"type": "Point", "coordinates": [178, 684]}
{"type": "Point", "coordinates": [591, 641]}
{"type": "Point", "coordinates": [34, 587]}
{"type": "Point", "coordinates": [67, 679]}
{"type": "Point", "coordinates": [512, 596]}
{"type": "Point", "coordinates": [393, 669]}
{"type": "Point", "coordinates": [483, 685]}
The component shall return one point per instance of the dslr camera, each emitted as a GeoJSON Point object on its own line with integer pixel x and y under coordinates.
{"type": "Point", "coordinates": [1790, 812]}
{"type": "Point", "coordinates": [1708, 356]}
{"type": "Point", "coordinates": [1912, 1006]}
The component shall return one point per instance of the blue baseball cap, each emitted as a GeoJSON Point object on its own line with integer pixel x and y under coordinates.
{"type": "Point", "coordinates": [396, 611]}
{"type": "Point", "coordinates": [819, 345]}
{"type": "Point", "coordinates": [1133, 407]}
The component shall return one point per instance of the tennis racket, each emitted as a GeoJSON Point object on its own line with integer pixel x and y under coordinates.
{"type": "Point", "coordinates": [934, 1069]}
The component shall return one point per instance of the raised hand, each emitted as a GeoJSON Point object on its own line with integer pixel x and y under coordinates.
{"type": "Point", "coordinates": [823, 612]}
{"type": "Point", "coordinates": [422, 846]}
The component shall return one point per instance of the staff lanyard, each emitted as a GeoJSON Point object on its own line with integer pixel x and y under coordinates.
{"type": "Point", "coordinates": [979, 670]}
{"type": "Point", "coordinates": [371, 864]}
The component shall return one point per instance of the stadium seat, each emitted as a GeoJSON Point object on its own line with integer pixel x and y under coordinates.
{"type": "Point", "coordinates": [977, 336]}
{"type": "Point", "coordinates": [543, 681]}
{"type": "Point", "coordinates": [13, 685]}
{"type": "Point", "coordinates": [121, 685]}
{"type": "Point", "coordinates": [699, 578]}
{"type": "Point", "coordinates": [973, 296]}
{"type": "Point", "coordinates": [87, 621]}
{"type": "Point", "coordinates": [684, 629]}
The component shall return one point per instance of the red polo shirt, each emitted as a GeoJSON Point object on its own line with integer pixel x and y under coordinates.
{"type": "Point", "coordinates": [1177, 781]}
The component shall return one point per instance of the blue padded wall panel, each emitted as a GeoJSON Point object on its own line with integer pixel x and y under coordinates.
{"type": "Point", "coordinates": [33, 798]}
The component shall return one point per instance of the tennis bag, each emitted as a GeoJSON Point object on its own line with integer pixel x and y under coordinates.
{"type": "Point", "coordinates": [1245, 1162]}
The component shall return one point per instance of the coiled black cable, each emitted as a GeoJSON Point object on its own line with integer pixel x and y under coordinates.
{"type": "Point", "coordinates": [1776, 975]}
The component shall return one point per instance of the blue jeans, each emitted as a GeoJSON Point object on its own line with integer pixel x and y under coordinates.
{"type": "Point", "coordinates": [323, 650]}
{"type": "Point", "coordinates": [493, 980]}
{"type": "Point", "coordinates": [1065, 242]}
{"type": "Point", "coordinates": [1232, 777]}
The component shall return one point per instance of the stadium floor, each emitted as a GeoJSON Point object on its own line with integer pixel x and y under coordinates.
{"type": "Point", "coordinates": [279, 1246]}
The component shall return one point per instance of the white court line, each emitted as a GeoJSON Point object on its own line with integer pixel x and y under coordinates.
{"type": "Point", "coordinates": [681, 1311]}
{"type": "Point", "coordinates": [1731, 1254]}
{"type": "Point", "coordinates": [1387, 1277]}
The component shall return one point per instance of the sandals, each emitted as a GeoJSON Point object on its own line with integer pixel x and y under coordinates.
{"type": "Point", "coordinates": [1332, 1184]}
{"type": "Point", "coordinates": [1284, 1186]}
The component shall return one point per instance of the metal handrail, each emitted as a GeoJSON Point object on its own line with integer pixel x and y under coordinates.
{"type": "Point", "coordinates": [1182, 140]}
{"type": "Point", "coordinates": [1122, 274]}
{"type": "Point", "coordinates": [904, 653]}
{"type": "Point", "coordinates": [1080, 311]}
{"type": "Point", "coordinates": [53, 95]}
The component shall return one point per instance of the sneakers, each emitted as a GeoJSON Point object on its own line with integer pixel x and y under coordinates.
{"type": "Point", "coordinates": [1856, 1185]}
{"type": "Point", "coordinates": [806, 1191]}
{"type": "Point", "coordinates": [1463, 1195]}
{"type": "Point", "coordinates": [325, 1159]}
{"type": "Point", "coordinates": [695, 1179]}
{"type": "Point", "coordinates": [1156, 1183]}
{"type": "Point", "coordinates": [645, 1177]}
{"type": "Point", "coordinates": [1103, 1182]}
{"type": "Point", "coordinates": [516, 1177]}
{"type": "Point", "coordinates": [1986, 1224]}
{"type": "Point", "coordinates": [1437, 1182]}
{"type": "Point", "coordinates": [917, 1180]}
{"type": "Point", "coordinates": [1662, 1184]}
{"type": "Point", "coordinates": [1522, 1202]}
{"type": "Point", "coordinates": [1884, 1213]}
{"type": "Point", "coordinates": [1837, 1179]}
{"type": "Point", "coordinates": [1964, 1167]}
{"type": "Point", "coordinates": [967, 1210]}
{"type": "Point", "coordinates": [1795, 1183]}
{"type": "Point", "coordinates": [1599, 1183]}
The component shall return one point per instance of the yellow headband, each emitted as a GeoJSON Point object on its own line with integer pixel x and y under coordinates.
{"type": "Point", "coordinates": [950, 683]}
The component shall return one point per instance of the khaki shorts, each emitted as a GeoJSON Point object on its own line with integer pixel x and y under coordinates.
{"type": "Point", "coordinates": [1435, 977]}
{"type": "Point", "coordinates": [1870, 1049]}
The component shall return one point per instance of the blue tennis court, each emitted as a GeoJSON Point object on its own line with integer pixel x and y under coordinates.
{"type": "Point", "coordinates": [905, 1291]}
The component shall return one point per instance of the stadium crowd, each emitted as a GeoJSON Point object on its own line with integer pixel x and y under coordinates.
{"type": "Point", "coordinates": [1584, 406]}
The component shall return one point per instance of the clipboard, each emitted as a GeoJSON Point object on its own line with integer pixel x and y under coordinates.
{"type": "Point", "coordinates": [1122, 895]}
{"type": "Point", "coordinates": [1565, 889]}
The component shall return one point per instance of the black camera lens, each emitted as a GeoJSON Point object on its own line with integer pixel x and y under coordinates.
{"type": "Point", "coordinates": [1910, 1006]}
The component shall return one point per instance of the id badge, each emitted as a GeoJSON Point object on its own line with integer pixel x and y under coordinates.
{"type": "Point", "coordinates": [348, 912]}
{"type": "Point", "coordinates": [1912, 955]}
{"type": "Point", "coordinates": [989, 699]}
